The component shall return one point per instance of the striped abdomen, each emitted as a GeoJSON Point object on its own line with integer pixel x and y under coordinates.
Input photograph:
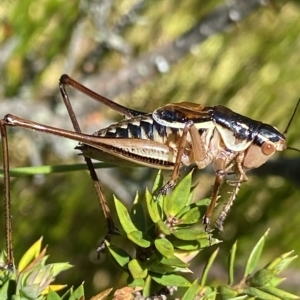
{"type": "Point", "coordinates": [140, 140]}
{"type": "Point", "coordinates": [141, 127]}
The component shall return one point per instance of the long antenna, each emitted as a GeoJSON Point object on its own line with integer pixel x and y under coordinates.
{"type": "Point", "coordinates": [292, 148]}
{"type": "Point", "coordinates": [291, 119]}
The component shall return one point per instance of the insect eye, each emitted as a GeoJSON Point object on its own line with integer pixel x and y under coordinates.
{"type": "Point", "coordinates": [268, 148]}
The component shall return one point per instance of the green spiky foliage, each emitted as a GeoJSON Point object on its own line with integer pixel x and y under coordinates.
{"type": "Point", "coordinates": [32, 278]}
{"type": "Point", "coordinates": [160, 238]}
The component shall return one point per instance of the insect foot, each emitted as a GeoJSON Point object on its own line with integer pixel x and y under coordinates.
{"type": "Point", "coordinates": [168, 186]}
{"type": "Point", "coordinates": [102, 245]}
{"type": "Point", "coordinates": [206, 223]}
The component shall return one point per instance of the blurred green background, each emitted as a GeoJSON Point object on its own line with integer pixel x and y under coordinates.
{"type": "Point", "coordinates": [114, 47]}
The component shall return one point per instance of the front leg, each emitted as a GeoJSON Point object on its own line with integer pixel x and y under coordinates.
{"type": "Point", "coordinates": [220, 167]}
{"type": "Point", "coordinates": [175, 174]}
{"type": "Point", "coordinates": [220, 174]}
{"type": "Point", "coordinates": [225, 210]}
{"type": "Point", "coordinates": [199, 153]}
{"type": "Point", "coordinates": [241, 177]}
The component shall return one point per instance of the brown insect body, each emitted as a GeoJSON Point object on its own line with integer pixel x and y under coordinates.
{"type": "Point", "coordinates": [188, 133]}
{"type": "Point", "coordinates": [158, 142]}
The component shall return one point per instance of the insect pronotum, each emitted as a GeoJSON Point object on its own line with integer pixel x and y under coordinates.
{"type": "Point", "coordinates": [172, 136]}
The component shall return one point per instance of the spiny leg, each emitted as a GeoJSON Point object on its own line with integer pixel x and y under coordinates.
{"type": "Point", "coordinates": [220, 174]}
{"type": "Point", "coordinates": [93, 174]}
{"type": "Point", "coordinates": [7, 200]}
{"type": "Point", "coordinates": [226, 208]}
{"type": "Point", "coordinates": [175, 174]}
{"type": "Point", "coordinates": [237, 184]}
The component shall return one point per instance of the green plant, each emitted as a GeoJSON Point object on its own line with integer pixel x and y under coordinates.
{"type": "Point", "coordinates": [164, 234]}
{"type": "Point", "coordinates": [33, 277]}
